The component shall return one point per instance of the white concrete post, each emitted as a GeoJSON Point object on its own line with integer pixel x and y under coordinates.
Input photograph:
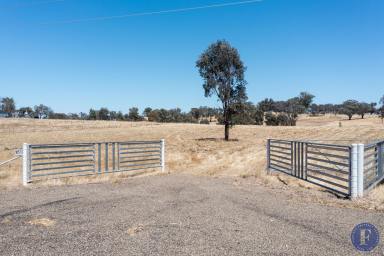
{"type": "Point", "coordinates": [162, 155]}
{"type": "Point", "coordinates": [360, 170]}
{"type": "Point", "coordinates": [354, 163]}
{"type": "Point", "coordinates": [26, 176]}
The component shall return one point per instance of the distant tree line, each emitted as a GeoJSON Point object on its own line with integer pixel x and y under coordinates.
{"type": "Point", "coordinates": [348, 108]}
{"type": "Point", "coordinates": [176, 115]}
{"type": "Point", "coordinates": [267, 111]}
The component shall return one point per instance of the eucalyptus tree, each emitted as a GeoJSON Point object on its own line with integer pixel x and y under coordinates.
{"type": "Point", "coordinates": [349, 108]}
{"type": "Point", "coordinates": [363, 109]}
{"type": "Point", "coordinates": [146, 111]}
{"type": "Point", "coordinates": [41, 111]}
{"type": "Point", "coordinates": [306, 99]}
{"type": "Point", "coordinates": [133, 114]}
{"type": "Point", "coordinates": [381, 112]}
{"type": "Point", "coordinates": [8, 105]}
{"type": "Point", "coordinates": [222, 70]}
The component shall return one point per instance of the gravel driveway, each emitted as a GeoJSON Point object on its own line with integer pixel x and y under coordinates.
{"type": "Point", "coordinates": [173, 215]}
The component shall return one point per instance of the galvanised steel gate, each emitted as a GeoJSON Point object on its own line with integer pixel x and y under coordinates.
{"type": "Point", "coordinates": [325, 165]}
{"type": "Point", "coordinates": [347, 170]}
{"type": "Point", "coordinates": [373, 164]}
{"type": "Point", "coordinates": [82, 159]}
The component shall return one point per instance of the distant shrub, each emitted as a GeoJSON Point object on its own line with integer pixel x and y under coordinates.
{"type": "Point", "coordinates": [281, 119]}
{"type": "Point", "coordinates": [248, 114]}
{"type": "Point", "coordinates": [259, 117]}
{"type": "Point", "coordinates": [271, 119]}
{"type": "Point", "coordinates": [204, 121]}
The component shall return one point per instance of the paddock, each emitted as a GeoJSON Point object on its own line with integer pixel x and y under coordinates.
{"type": "Point", "coordinates": [190, 148]}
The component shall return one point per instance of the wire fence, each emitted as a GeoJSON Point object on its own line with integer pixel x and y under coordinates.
{"type": "Point", "coordinates": [9, 160]}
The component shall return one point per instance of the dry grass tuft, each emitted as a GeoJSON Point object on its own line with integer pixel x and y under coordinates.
{"type": "Point", "coordinates": [134, 230]}
{"type": "Point", "coordinates": [6, 220]}
{"type": "Point", "coordinates": [43, 222]}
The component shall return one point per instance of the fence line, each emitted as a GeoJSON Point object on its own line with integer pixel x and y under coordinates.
{"type": "Point", "coordinates": [9, 160]}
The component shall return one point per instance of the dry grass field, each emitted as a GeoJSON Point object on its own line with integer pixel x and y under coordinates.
{"type": "Point", "coordinates": [193, 148]}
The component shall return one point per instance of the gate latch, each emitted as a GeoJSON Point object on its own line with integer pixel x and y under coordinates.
{"type": "Point", "coordinates": [19, 152]}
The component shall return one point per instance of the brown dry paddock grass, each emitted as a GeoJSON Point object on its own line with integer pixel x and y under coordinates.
{"type": "Point", "coordinates": [43, 222]}
{"type": "Point", "coordinates": [190, 148]}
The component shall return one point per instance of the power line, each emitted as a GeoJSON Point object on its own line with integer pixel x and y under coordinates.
{"type": "Point", "coordinates": [100, 18]}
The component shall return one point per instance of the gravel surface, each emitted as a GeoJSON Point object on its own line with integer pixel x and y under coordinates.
{"type": "Point", "coordinates": [174, 215]}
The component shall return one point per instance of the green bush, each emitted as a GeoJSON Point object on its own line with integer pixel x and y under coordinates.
{"type": "Point", "coordinates": [281, 119]}
{"type": "Point", "coordinates": [271, 119]}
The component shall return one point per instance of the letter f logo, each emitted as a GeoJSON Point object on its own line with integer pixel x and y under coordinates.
{"type": "Point", "coordinates": [364, 236]}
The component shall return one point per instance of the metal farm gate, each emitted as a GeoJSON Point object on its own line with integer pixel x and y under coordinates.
{"type": "Point", "coordinates": [82, 159]}
{"type": "Point", "coordinates": [346, 170]}
{"type": "Point", "coordinates": [373, 164]}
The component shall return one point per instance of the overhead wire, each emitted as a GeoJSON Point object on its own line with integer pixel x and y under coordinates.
{"type": "Point", "coordinates": [186, 9]}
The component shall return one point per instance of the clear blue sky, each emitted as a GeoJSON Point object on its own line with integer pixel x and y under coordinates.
{"type": "Point", "coordinates": [331, 48]}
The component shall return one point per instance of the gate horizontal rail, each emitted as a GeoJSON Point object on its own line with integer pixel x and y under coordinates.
{"type": "Point", "coordinates": [83, 159]}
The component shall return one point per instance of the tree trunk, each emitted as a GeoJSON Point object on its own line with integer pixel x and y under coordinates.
{"type": "Point", "coordinates": [226, 121]}
{"type": "Point", "coordinates": [226, 131]}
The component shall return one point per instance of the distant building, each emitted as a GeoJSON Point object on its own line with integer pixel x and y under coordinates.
{"type": "Point", "coordinates": [3, 114]}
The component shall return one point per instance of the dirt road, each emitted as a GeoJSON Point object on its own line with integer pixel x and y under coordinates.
{"type": "Point", "coordinates": [174, 215]}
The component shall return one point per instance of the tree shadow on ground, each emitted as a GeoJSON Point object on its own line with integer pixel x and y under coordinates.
{"type": "Point", "coordinates": [16, 212]}
{"type": "Point", "coordinates": [215, 139]}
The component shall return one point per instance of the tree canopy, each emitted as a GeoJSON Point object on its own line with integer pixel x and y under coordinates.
{"type": "Point", "coordinates": [8, 105]}
{"type": "Point", "coordinates": [349, 108]}
{"type": "Point", "coordinates": [306, 99]}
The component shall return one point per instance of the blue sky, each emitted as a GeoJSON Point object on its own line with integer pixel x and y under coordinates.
{"type": "Point", "coordinates": [333, 49]}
